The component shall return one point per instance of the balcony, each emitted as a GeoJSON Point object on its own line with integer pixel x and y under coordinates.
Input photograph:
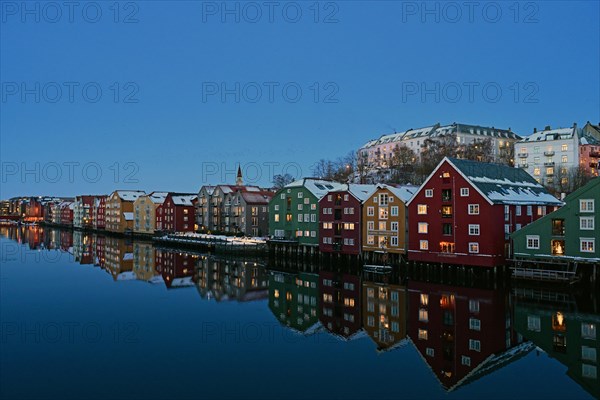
{"type": "Point", "coordinates": [549, 153]}
{"type": "Point", "coordinates": [523, 155]}
{"type": "Point", "coordinates": [549, 164]}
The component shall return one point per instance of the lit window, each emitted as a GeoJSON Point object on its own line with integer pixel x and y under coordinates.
{"type": "Point", "coordinates": [423, 245]}
{"type": "Point", "coordinates": [564, 147]}
{"type": "Point", "coordinates": [276, 217]}
{"type": "Point", "coordinates": [421, 209]}
{"type": "Point", "coordinates": [423, 227]}
{"type": "Point", "coordinates": [586, 245]}
{"type": "Point", "coordinates": [370, 239]}
{"type": "Point", "coordinates": [423, 315]}
{"type": "Point", "coordinates": [473, 209]}
{"type": "Point", "coordinates": [474, 247]}
{"type": "Point", "coordinates": [423, 334]}
{"type": "Point", "coordinates": [588, 330]}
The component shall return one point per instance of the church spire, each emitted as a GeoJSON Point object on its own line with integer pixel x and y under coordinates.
{"type": "Point", "coordinates": [239, 180]}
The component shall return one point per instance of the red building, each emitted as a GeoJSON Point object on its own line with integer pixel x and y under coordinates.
{"type": "Point", "coordinates": [99, 212]}
{"type": "Point", "coordinates": [340, 301]}
{"type": "Point", "coordinates": [465, 211]}
{"type": "Point", "coordinates": [34, 210]}
{"type": "Point", "coordinates": [177, 213]}
{"type": "Point", "coordinates": [462, 333]}
{"type": "Point", "coordinates": [177, 269]}
{"type": "Point", "coordinates": [340, 213]}
{"type": "Point", "coordinates": [66, 212]}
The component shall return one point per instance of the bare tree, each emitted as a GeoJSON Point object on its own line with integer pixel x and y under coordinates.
{"type": "Point", "coordinates": [402, 165]}
{"type": "Point", "coordinates": [280, 181]}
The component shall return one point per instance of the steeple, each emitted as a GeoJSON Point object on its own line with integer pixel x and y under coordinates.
{"type": "Point", "coordinates": [239, 180]}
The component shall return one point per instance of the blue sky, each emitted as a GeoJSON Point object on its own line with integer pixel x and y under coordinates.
{"type": "Point", "coordinates": [163, 122]}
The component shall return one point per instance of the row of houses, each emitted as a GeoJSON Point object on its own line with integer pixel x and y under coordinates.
{"type": "Point", "coordinates": [464, 213]}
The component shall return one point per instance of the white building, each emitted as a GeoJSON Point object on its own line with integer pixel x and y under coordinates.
{"type": "Point", "coordinates": [378, 152]}
{"type": "Point", "coordinates": [549, 154]}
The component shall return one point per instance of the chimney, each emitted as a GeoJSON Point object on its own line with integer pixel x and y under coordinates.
{"type": "Point", "coordinates": [547, 128]}
{"type": "Point", "coordinates": [534, 130]}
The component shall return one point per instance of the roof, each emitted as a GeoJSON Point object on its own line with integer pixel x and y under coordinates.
{"type": "Point", "coordinates": [208, 189]}
{"type": "Point", "coordinates": [128, 216]}
{"type": "Point", "coordinates": [502, 184]}
{"type": "Point", "coordinates": [360, 191]}
{"type": "Point", "coordinates": [438, 130]}
{"type": "Point", "coordinates": [318, 187]}
{"type": "Point", "coordinates": [551, 134]}
{"type": "Point", "coordinates": [183, 199]}
{"type": "Point", "coordinates": [158, 197]}
{"type": "Point", "coordinates": [252, 197]}
{"type": "Point", "coordinates": [129, 195]}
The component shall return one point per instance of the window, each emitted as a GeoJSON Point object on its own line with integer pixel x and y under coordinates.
{"type": "Point", "coordinates": [423, 227]}
{"type": "Point", "coordinates": [534, 323]}
{"type": "Point", "coordinates": [428, 192]}
{"type": "Point", "coordinates": [383, 199]}
{"type": "Point", "coordinates": [394, 211]}
{"type": "Point", "coordinates": [423, 245]}
{"type": "Point", "coordinates": [370, 211]}
{"type": "Point", "coordinates": [536, 171]}
{"type": "Point", "coordinates": [564, 159]}
{"type": "Point", "coordinates": [558, 227]}
{"type": "Point", "coordinates": [533, 242]}
{"type": "Point", "coordinates": [300, 207]}
{"type": "Point", "coordinates": [474, 306]}
{"type": "Point", "coordinates": [474, 229]}
{"type": "Point", "coordinates": [588, 353]}
{"type": "Point", "coordinates": [473, 247]}
{"type": "Point", "coordinates": [370, 225]}
{"type": "Point", "coordinates": [383, 213]}
{"type": "Point", "coordinates": [464, 360]}
{"type": "Point", "coordinates": [423, 315]}
{"type": "Point", "coordinates": [474, 345]}
{"type": "Point", "coordinates": [370, 239]}
{"type": "Point", "coordinates": [589, 371]}
{"type": "Point", "coordinates": [446, 211]}
{"type": "Point", "coordinates": [586, 205]}
{"type": "Point", "coordinates": [447, 229]}
{"type": "Point", "coordinates": [586, 245]}
{"type": "Point", "coordinates": [564, 147]}
{"type": "Point", "coordinates": [586, 223]}
{"type": "Point", "coordinates": [529, 210]}
{"type": "Point", "coordinates": [423, 334]}
{"type": "Point", "coordinates": [588, 330]}
{"type": "Point", "coordinates": [518, 211]}
{"type": "Point", "coordinates": [421, 209]}
{"type": "Point", "coordinates": [299, 217]}
{"type": "Point", "coordinates": [370, 320]}
{"type": "Point", "coordinates": [395, 241]}
{"type": "Point", "coordinates": [464, 192]}
{"type": "Point", "coordinates": [446, 194]}
{"type": "Point", "coordinates": [394, 227]}
{"type": "Point", "coordinates": [474, 324]}
{"type": "Point", "coordinates": [473, 209]}
{"type": "Point", "coordinates": [276, 217]}
{"type": "Point", "coordinates": [429, 352]}
{"type": "Point", "coordinates": [382, 225]}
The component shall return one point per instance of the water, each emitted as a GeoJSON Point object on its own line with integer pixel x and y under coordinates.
{"type": "Point", "coordinates": [87, 316]}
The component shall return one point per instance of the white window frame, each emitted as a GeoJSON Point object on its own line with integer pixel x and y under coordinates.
{"type": "Point", "coordinates": [474, 245]}
{"type": "Point", "coordinates": [587, 240]}
{"type": "Point", "coordinates": [464, 192]}
{"type": "Point", "coordinates": [423, 245]}
{"type": "Point", "coordinates": [428, 192]}
{"type": "Point", "coordinates": [421, 207]}
{"type": "Point", "coordinates": [535, 239]}
{"type": "Point", "coordinates": [473, 209]}
{"type": "Point", "coordinates": [423, 228]}
{"type": "Point", "coordinates": [586, 221]}
{"type": "Point", "coordinates": [584, 205]}
{"type": "Point", "coordinates": [474, 230]}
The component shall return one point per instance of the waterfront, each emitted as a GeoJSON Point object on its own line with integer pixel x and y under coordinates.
{"type": "Point", "coordinates": [92, 316]}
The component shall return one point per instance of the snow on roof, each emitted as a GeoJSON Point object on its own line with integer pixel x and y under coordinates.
{"type": "Point", "coordinates": [208, 189]}
{"type": "Point", "coordinates": [316, 186]}
{"type": "Point", "coordinates": [126, 276]}
{"type": "Point", "coordinates": [128, 216]}
{"type": "Point", "coordinates": [502, 184]}
{"type": "Point", "coordinates": [182, 282]}
{"type": "Point", "coordinates": [550, 134]}
{"type": "Point", "coordinates": [261, 197]}
{"type": "Point", "coordinates": [360, 191]}
{"type": "Point", "coordinates": [183, 199]}
{"type": "Point", "coordinates": [128, 257]}
{"type": "Point", "coordinates": [404, 192]}
{"type": "Point", "coordinates": [158, 197]}
{"type": "Point", "coordinates": [129, 195]}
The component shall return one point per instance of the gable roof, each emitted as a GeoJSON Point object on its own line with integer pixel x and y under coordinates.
{"type": "Point", "coordinates": [183, 199]}
{"type": "Point", "coordinates": [129, 195]}
{"type": "Point", "coordinates": [158, 197]}
{"type": "Point", "coordinates": [318, 187]}
{"type": "Point", "coordinates": [499, 184]}
{"type": "Point", "coordinates": [253, 197]}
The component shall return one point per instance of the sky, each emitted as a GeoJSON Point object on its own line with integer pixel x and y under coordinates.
{"type": "Point", "coordinates": [170, 96]}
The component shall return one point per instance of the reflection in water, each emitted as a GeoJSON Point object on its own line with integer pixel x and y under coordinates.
{"type": "Point", "coordinates": [564, 326]}
{"type": "Point", "coordinates": [461, 333]}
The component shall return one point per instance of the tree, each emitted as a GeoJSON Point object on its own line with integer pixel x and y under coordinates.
{"type": "Point", "coordinates": [402, 165]}
{"type": "Point", "coordinates": [323, 169]}
{"type": "Point", "coordinates": [280, 181]}
{"type": "Point", "coordinates": [433, 151]}
{"type": "Point", "coordinates": [479, 150]}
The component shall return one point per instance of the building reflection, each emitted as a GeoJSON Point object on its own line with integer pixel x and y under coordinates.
{"type": "Point", "coordinates": [225, 279]}
{"type": "Point", "coordinates": [118, 258]}
{"type": "Point", "coordinates": [176, 268]}
{"type": "Point", "coordinates": [83, 247]}
{"type": "Point", "coordinates": [144, 263]}
{"type": "Point", "coordinates": [384, 309]}
{"type": "Point", "coordinates": [340, 297]}
{"type": "Point", "coordinates": [294, 300]}
{"type": "Point", "coordinates": [565, 326]}
{"type": "Point", "coordinates": [462, 333]}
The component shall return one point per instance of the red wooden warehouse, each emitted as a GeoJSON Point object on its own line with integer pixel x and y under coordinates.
{"type": "Point", "coordinates": [464, 212]}
{"type": "Point", "coordinates": [177, 213]}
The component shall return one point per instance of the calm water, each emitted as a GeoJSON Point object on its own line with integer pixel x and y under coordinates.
{"type": "Point", "coordinates": [86, 316]}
